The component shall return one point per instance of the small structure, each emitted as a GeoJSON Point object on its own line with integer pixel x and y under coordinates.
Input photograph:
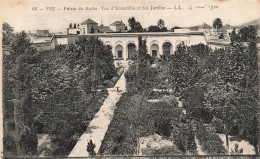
{"type": "Point", "coordinates": [73, 31]}
{"type": "Point", "coordinates": [90, 26]}
{"type": "Point", "coordinates": [182, 30]}
{"type": "Point", "coordinates": [42, 43]}
{"type": "Point", "coordinates": [43, 32]}
{"type": "Point", "coordinates": [86, 26]}
{"type": "Point", "coordinates": [102, 29]}
{"type": "Point", "coordinates": [207, 29]}
{"type": "Point", "coordinates": [118, 26]}
{"type": "Point", "coordinates": [6, 49]}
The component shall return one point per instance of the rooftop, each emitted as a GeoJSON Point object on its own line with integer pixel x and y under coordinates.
{"type": "Point", "coordinates": [136, 34]}
{"type": "Point", "coordinates": [117, 23]}
{"type": "Point", "coordinates": [89, 21]}
{"type": "Point", "coordinates": [42, 39]}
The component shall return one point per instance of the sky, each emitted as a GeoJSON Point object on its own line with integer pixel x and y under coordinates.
{"type": "Point", "coordinates": [21, 14]}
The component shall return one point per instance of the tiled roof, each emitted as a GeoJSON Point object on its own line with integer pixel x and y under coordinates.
{"type": "Point", "coordinates": [102, 29]}
{"type": "Point", "coordinates": [89, 21]}
{"type": "Point", "coordinates": [117, 23]}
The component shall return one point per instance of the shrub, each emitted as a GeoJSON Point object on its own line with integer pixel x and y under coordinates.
{"type": "Point", "coordinates": [90, 148]}
{"type": "Point", "coordinates": [209, 140]}
{"type": "Point", "coordinates": [130, 74]}
{"type": "Point", "coordinates": [218, 124]}
{"type": "Point", "coordinates": [111, 84]}
{"type": "Point", "coordinates": [184, 136]}
{"type": "Point", "coordinates": [221, 36]}
{"type": "Point", "coordinates": [114, 79]}
{"type": "Point", "coordinates": [105, 83]}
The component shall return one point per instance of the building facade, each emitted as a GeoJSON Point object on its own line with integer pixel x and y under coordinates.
{"type": "Point", "coordinates": [118, 26]}
{"type": "Point", "coordinates": [125, 45]}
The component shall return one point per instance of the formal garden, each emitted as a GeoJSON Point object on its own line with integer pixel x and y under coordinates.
{"type": "Point", "coordinates": [186, 101]}
{"type": "Point", "coordinates": [54, 93]}
{"type": "Point", "coordinates": [218, 89]}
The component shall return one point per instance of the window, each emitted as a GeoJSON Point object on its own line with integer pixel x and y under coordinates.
{"type": "Point", "coordinates": [154, 53]}
{"type": "Point", "coordinates": [120, 54]}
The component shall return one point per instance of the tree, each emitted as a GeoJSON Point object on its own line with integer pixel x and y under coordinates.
{"type": "Point", "coordinates": [217, 23]}
{"type": "Point", "coordinates": [90, 148]}
{"type": "Point", "coordinates": [183, 136]}
{"type": "Point", "coordinates": [8, 35]}
{"type": "Point", "coordinates": [160, 23]}
{"type": "Point", "coordinates": [70, 26]}
{"type": "Point", "coordinates": [134, 25]}
{"type": "Point", "coordinates": [153, 28]}
{"type": "Point", "coordinates": [97, 60]}
{"type": "Point", "coordinates": [248, 33]}
{"type": "Point", "coordinates": [25, 115]}
{"type": "Point", "coordinates": [164, 29]}
{"type": "Point", "coordinates": [75, 25]}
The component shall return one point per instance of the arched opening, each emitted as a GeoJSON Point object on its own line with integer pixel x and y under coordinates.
{"type": "Point", "coordinates": [131, 48]}
{"type": "Point", "coordinates": [167, 49]}
{"type": "Point", "coordinates": [154, 50]}
{"type": "Point", "coordinates": [119, 51]}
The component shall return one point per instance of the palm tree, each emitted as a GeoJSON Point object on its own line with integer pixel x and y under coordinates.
{"type": "Point", "coordinates": [160, 23]}
{"type": "Point", "coordinates": [217, 23]}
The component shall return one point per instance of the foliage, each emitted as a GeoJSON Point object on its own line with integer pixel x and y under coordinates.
{"type": "Point", "coordinates": [221, 36]}
{"type": "Point", "coordinates": [97, 60]}
{"type": "Point", "coordinates": [90, 148]}
{"type": "Point", "coordinates": [247, 34]}
{"type": "Point", "coordinates": [46, 88]}
{"type": "Point", "coordinates": [22, 60]}
{"type": "Point", "coordinates": [183, 136]}
{"type": "Point", "coordinates": [236, 150]}
{"type": "Point", "coordinates": [218, 125]}
{"type": "Point", "coordinates": [217, 23]}
{"type": "Point", "coordinates": [209, 140]}
{"type": "Point", "coordinates": [186, 67]}
{"type": "Point", "coordinates": [134, 25]}
{"type": "Point", "coordinates": [154, 28]}
{"type": "Point", "coordinates": [160, 23]}
{"type": "Point", "coordinates": [227, 80]}
{"type": "Point", "coordinates": [7, 34]}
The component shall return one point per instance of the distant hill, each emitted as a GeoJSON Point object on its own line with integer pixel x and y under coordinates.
{"type": "Point", "coordinates": [254, 23]}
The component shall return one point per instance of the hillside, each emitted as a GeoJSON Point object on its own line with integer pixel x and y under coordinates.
{"type": "Point", "coordinates": [255, 22]}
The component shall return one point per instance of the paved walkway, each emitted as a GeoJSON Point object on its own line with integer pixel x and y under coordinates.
{"type": "Point", "coordinates": [99, 125]}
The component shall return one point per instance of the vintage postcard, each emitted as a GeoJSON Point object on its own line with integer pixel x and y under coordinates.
{"type": "Point", "coordinates": [130, 78]}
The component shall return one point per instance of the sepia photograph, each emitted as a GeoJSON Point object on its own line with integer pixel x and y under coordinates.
{"type": "Point", "coordinates": [130, 79]}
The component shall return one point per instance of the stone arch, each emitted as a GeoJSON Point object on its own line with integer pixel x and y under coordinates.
{"type": "Point", "coordinates": [131, 41]}
{"type": "Point", "coordinates": [167, 41]}
{"type": "Point", "coordinates": [131, 49]}
{"type": "Point", "coordinates": [118, 42]}
{"type": "Point", "coordinates": [108, 43]}
{"type": "Point", "coordinates": [167, 48]}
{"type": "Point", "coordinates": [154, 42]}
{"type": "Point", "coordinates": [119, 51]}
{"type": "Point", "coordinates": [154, 50]}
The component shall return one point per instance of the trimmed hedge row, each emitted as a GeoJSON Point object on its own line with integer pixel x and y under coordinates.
{"type": "Point", "coordinates": [111, 83]}
{"type": "Point", "coordinates": [209, 140]}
